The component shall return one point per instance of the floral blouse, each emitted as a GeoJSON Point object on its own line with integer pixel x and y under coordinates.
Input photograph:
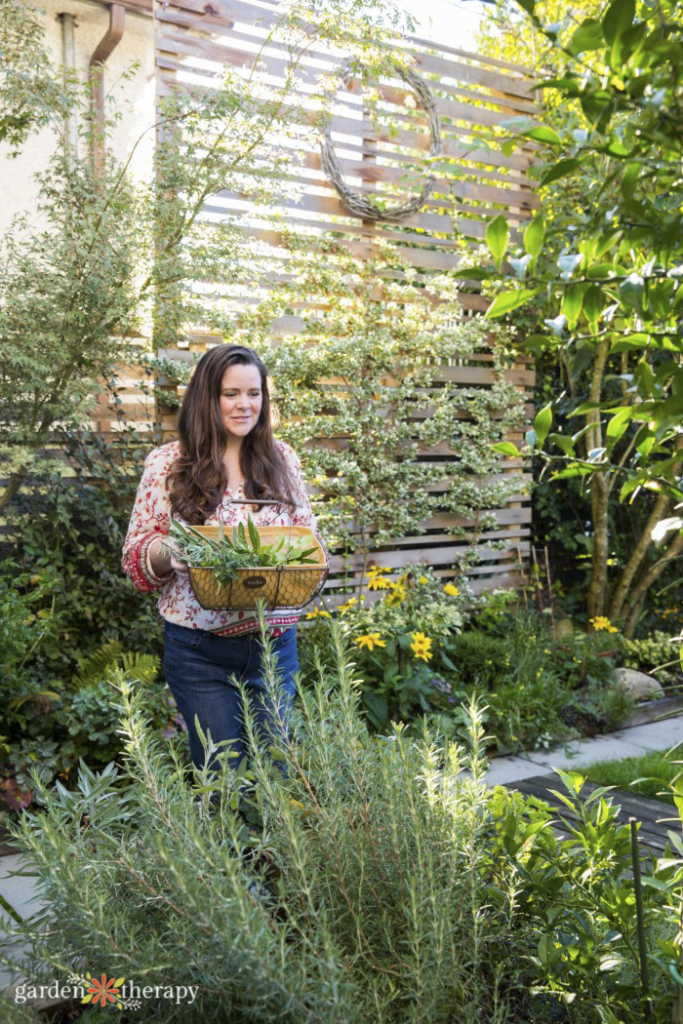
{"type": "Point", "coordinates": [151, 518]}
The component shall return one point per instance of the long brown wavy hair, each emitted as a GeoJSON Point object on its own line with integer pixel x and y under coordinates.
{"type": "Point", "coordinates": [197, 479]}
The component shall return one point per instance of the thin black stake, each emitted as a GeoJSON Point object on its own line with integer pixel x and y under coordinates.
{"type": "Point", "coordinates": [638, 892]}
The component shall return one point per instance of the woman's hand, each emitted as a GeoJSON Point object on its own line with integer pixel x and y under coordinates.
{"type": "Point", "coordinates": [163, 560]}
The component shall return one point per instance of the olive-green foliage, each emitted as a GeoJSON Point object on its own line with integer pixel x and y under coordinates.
{"type": "Point", "coordinates": [50, 722]}
{"type": "Point", "coordinates": [658, 655]}
{"type": "Point", "coordinates": [361, 894]}
{"type": "Point", "coordinates": [372, 372]}
{"type": "Point", "coordinates": [378, 881]}
{"type": "Point", "coordinates": [601, 265]}
{"type": "Point", "coordinates": [577, 934]}
{"type": "Point", "coordinates": [481, 659]}
{"type": "Point", "coordinates": [32, 91]}
{"type": "Point", "coordinates": [73, 533]}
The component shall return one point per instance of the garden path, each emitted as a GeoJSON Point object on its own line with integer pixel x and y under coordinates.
{"type": "Point", "coordinates": [631, 741]}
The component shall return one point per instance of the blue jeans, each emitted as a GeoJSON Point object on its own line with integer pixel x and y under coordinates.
{"type": "Point", "coordinates": [199, 667]}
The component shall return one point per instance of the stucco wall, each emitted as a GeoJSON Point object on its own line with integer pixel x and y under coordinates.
{"type": "Point", "coordinates": [134, 96]}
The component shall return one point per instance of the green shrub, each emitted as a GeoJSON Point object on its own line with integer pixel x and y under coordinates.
{"type": "Point", "coordinates": [52, 729]}
{"type": "Point", "coordinates": [378, 881]}
{"type": "Point", "coordinates": [73, 532]}
{"type": "Point", "coordinates": [577, 935]}
{"type": "Point", "coordinates": [402, 643]}
{"type": "Point", "coordinates": [658, 655]}
{"type": "Point", "coordinates": [481, 659]}
{"type": "Point", "coordinates": [361, 894]}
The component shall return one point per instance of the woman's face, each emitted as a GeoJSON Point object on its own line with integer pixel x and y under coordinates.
{"type": "Point", "coordinates": [241, 399]}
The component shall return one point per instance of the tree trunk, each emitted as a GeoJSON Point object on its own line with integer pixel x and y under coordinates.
{"type": "Point", "coordinates": [619, 599]}
{"type": "Point", "coordinates": [639, 592]}
{"type": "Point", "coordinates": [599, 494]}
{"type": "Point", "coordinates": [597, 594]}
{"type": "Point", "coordinates": [13, 485]}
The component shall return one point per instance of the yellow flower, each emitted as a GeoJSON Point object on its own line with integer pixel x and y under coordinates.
{"type": "Point", "coordinates": [421, 646]}
{"type": "Point", "coordinates": [451, 590]}
{"type": "Point", "coordinates": [343, 608]}
{"type": "Point", "coordinates": [397, 597]}
{"type": "Point", "coordinates": [423, 580]}
{"type": "Point", "coordinates": [601, 624]}
{"type": "Point", "coordinates": [370, 640]}
{"type": "Point", "coordinates": [379, 583]}
{"type": "Point", "coordinates": [318, 613]}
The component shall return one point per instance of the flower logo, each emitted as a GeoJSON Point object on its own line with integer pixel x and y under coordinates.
{"type": "Point", "coordinates": [104, 991]}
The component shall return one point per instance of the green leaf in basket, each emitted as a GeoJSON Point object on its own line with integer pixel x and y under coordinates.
{"type": "Point", "coordinates": [305, 556]}
{"type": "Point", "coordinates": [242, 535]}
{"type": "Point", "coordinates": [253, 533]}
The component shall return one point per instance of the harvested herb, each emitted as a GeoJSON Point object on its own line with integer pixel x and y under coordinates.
{"type": "Point", "coordinates": [243, 550]}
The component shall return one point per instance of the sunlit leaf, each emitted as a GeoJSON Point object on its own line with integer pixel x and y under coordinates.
{"type": "Point", "coordinates": [534, 235]}
{"type": "Point", "coordinates": [588, 36]}
{"type": "Point", "coordinates": [560, 170]}
{"type": "Point", "coordinates": [497, 235]}
{"type": "Point", "coordinates": [506, 448]}
{"type": "Point", "coordinates": [543, 423]}
{"type": "Point", "coordinates": [507, 301]}
{"type": "Point", "coordinates": [544, 134]}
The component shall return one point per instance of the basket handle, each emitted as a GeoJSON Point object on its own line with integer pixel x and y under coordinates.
{"type": "Point", "coordinates": [254, 501]}
{"type": "Point", "coordinates": [262, 501]}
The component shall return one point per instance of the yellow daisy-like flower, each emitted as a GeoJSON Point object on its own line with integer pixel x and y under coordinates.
{"type": "Point", "coordinates": [421, 646]}
{"type": "Point", "coordinates": [370, 640]}
{"type": "Point", "coordinates": [451, 590]}
{"type": "Point", "coordinates": [601, 624]}
{"type": "Point", "coordinates": [379, 583]}
{"type": "Point", "coordinates": [423, 580]}
{"type": "Point", "coordinates": [347, 606]}
{"type": "Point", "coordinates": [397, 597]}
{"type": "Point", "coordinates": [318, 613]}
{"type": "Point", "coordinates": [376, 570]}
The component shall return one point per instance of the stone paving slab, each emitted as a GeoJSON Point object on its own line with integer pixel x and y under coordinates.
{"type": "Point", "coordinates": [624, 743]}
{"type": "Point", "coordinates": [21, 893]}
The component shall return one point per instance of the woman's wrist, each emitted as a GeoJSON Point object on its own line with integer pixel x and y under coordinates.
{"type": "Point", "coordinates": [159, 560]}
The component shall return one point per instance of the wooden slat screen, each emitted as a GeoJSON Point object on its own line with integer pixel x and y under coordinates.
{"type": "Point", "coordinates": [195, 40]}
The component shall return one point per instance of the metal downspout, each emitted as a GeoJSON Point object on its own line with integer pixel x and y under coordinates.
{"type": "Point", "coordinates": [106, 45]}
{"type": "Point", "coordinates": [69, 61]}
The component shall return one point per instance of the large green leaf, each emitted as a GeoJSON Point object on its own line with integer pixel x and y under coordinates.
{"type": "Point", "coordinates": [534, 235]}
{"type": "Point", "coordinates": [617, 426]}
{"type": "Point", "coordinates": [588, 36]}
{"type": "Point", "coordinates": [544, 134]}
{"type": "Point", "coordinates": [506, 448]}
{"type": "Point", "coordinates": [507, 301]}
{"type": "Point", "coordinates": [543, 423]}
{"type": "Point", "coordinates": [631, 291]}
{"type": "Point", "coordinates": [563, 442]}
{"type": "Point", "coordinates": [593, 303]}
{"type": "Point", "coordinates": [573, 302]}
{"type": "Point", "coordinates": [617, 19]}
{"type": "Point", "coordinates": [560, 170]}
{"type": "Point", "coordinates": [497, 235]}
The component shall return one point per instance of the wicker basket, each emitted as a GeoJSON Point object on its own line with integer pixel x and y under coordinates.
{"type": "Point", "coordinates": [281, 586]}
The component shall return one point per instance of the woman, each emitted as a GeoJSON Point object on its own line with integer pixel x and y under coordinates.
{"type": "Point", "coordinates": [225, 451]}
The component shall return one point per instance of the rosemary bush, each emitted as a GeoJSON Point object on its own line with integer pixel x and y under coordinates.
{"type": "Point", "coordinates": [361, 895]}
